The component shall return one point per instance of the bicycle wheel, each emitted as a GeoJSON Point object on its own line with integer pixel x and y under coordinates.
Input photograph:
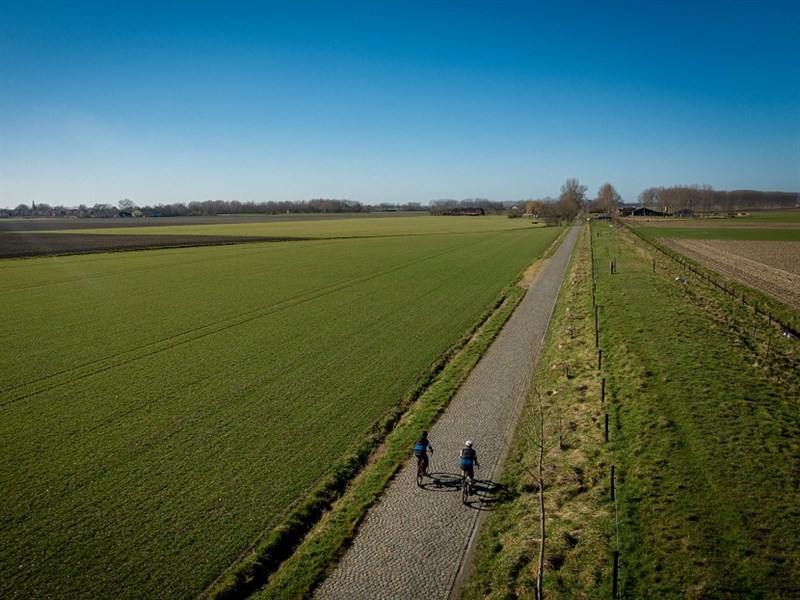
{"type": "Point", "coordinates": [465, 490]}
{"type": "Point", "coordinates": [420, 472]}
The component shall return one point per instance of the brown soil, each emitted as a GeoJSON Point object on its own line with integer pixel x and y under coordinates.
{"type": "Point", "coordinates": [31, 243]}
{"type": "Point", "coordinates": [711, 223]}
{"type": "Point", "coordinates": [770, 267]}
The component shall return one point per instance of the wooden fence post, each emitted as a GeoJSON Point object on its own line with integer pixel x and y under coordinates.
{"type": "Point", "coordinates": [615, 576]}
{"type": "Point", "coordinates": [606, 426]}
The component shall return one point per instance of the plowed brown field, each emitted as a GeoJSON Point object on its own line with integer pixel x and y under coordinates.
{"type": "Point", "coordinates": [770, 267]}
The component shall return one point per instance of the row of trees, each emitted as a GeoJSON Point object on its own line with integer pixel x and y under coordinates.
{"type": "Point", "coordinates": [703, 199]}
{"type": "Point", "coordinates": [448, 205]}
{"type": "Point", "coordinates": [570, 202]}
{"type": "Point", "coordinates": [210, 208]}
{"type": "Point", "coordinates": [127, 207]}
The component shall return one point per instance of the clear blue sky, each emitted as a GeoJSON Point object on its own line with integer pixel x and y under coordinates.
{"type": "Point", "coordinates": [393, 101]}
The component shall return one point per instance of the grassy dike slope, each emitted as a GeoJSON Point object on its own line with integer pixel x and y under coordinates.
{"type": "Point", "coordinates": [704, 436]}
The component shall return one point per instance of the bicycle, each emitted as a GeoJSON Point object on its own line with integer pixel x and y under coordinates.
{"type": "Point", "coordinates": [420, 470]}
{"type": "Point", "coordinates": [466, 487]}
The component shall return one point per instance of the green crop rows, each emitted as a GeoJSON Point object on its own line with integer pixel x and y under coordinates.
{"type": "Point", "coordinates": [161, 410]}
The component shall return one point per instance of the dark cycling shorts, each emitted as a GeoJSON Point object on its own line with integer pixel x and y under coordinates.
{"type": "Point", "coordinates": [469, 470]}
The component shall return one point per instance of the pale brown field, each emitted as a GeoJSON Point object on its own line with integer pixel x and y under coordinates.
{"type": "Point", "coordinates": [724, 223]}
{"type": "Point", "coordinates": [770, 267]}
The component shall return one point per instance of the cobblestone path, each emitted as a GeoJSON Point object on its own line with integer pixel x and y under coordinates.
{"type": "Point", "coordinates": [413, 542]}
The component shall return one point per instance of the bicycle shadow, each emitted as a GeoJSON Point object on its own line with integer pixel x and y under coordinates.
{"type": "Point", "coordinates": [486, 492]}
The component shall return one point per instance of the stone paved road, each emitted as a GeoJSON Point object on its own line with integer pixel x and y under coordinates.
{"type": "Point", "coordinates": [413, 542]}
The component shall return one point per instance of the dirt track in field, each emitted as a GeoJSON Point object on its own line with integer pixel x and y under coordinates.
{"type": "Point", "coordinates": [770, 267]}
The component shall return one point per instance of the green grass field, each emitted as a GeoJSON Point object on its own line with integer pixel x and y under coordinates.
{"type": "Point", "coordinates": [706, 430]}
{"type": "Point", "coordinates": [162, 410]}
{"type": "Point", "coordinates": [704, 435]}
{"type": "Point", "coordinates": [321, 228]}
{"type": "Point", "coordinates": [772, 216]}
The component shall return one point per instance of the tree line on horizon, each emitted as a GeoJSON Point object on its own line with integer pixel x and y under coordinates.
{"type": "Point", "coordinates": [705, 199]}
{"type": "Point", "coordinates": [210, 208]}
{"type": "Point", "coordinates": [571, 201]}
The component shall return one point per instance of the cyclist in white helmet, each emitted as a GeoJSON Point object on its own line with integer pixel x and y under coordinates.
{"type": "Point", "coordinates": [469, 460]}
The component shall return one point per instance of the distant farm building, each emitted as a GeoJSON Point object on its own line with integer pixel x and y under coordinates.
{"type": "Point", "coordinates": [640, 211]}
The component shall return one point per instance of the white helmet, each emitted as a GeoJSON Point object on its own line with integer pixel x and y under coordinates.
{"type": "Point", "coordinates": [468, 444]}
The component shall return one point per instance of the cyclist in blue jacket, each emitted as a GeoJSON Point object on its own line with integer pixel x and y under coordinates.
{"type": "Point", "coordinates": [421, 450]}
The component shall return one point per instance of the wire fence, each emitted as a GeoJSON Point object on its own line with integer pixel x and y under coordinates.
{"type": "Point", "coordinates": [715, 279]}
{"type": "Point", "coordinates": [745, 325]}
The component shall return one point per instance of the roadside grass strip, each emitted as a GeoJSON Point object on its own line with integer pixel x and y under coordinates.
{"type": "Point", "coordinates": [162, 413]}
{"type": "Point", "coordinates": [705, 432]}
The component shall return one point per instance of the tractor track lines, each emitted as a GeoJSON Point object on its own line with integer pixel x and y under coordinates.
{"type": "Point", "coordinates": [104, 364]}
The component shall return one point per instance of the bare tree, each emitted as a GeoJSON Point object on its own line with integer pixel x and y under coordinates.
{"type": "Point", "coordinates": [550, 213]}
{"type": "Point", "coordinates": [608, 200]}
{"type": "Point", "coordinates": [542, 437]}
{"type": "Point", "coordinates": [650, 197]}
{"type": "Point", "coordinates": [534, 207]}
{"type": "Point", "coordinates": [705, 198]}
{"type": "Point", "coordinates": [572, 199]}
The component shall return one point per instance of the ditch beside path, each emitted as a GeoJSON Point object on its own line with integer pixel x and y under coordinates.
{"type": "Point", "coordinates": [416, 542]}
